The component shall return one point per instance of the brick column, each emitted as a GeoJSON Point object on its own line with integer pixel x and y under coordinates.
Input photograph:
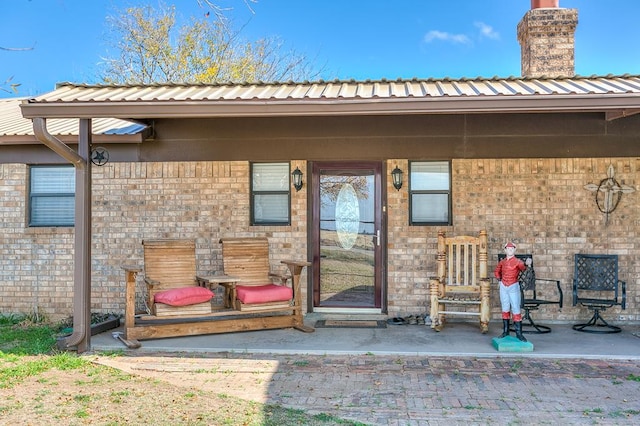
{"type": "Point", "coordinates": [546, 37]}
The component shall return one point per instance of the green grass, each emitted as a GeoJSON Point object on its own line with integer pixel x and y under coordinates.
{"type": "Point", "coordinates": [624, 413]}
{"type": "Point", "coordinates": [27, 349]}
{"type": "Point", "coordinates": [15, 368]}
{"type": "Point", "coordinates": [20, 336]}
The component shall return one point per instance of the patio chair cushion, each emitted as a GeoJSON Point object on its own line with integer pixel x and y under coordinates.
{"type": "Point", "coordinates": [263, 293]}
{"type": "Point", "coordinates": [184, 296]}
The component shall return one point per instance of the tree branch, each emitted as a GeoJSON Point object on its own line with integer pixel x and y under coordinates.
{"type": "Point", "coordinates": [16, 49]}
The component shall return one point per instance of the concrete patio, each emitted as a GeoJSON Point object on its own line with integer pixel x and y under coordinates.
{"type": "Point", "coordinates": [457, 339]}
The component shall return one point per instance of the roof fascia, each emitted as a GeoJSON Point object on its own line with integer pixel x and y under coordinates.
{"type": "Point", "coordinates": [440, 105]}
{"type": "Point", "coordinates": [614, 115]}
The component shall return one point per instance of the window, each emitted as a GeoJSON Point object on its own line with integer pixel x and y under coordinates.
{"type": "Point", "coordinates": [430, 193]}
{"type": "Point", "coordinates": [270, 196]}
{"type": "Point", "coordinates": [51, 196]}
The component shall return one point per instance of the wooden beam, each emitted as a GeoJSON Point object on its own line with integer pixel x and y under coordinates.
{"type": "Point", "coordinates": [211, 326]}
{"type": "Point", "coordinates": [621, 113]}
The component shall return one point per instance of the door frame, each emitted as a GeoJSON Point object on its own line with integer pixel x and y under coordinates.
{"type": "Point", "coordinates": [380, 270]}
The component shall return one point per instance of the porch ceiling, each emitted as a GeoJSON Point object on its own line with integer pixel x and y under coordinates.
{"type": "Point", "coordinates": [618, 96]}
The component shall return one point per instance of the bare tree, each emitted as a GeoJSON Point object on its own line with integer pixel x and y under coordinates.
{"type": "Point", "coordinates": [332, 185]}
{"type": "Point", "coordinates": [220, 11]}
{"type": "Point", "coordinates": [16, 49]}
{"type": "Point", "coordinates": [8, 86]}
{"type": "Point", "coordinates": [153, 50]}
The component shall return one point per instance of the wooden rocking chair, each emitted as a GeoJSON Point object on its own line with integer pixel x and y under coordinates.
{"type": "Point", "coordinates": [462, 282]}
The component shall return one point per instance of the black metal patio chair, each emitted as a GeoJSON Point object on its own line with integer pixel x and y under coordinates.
{"type": "Point", "coordinates": [536, 292]}
{"type": "Point", "coordinates": [597, 287]}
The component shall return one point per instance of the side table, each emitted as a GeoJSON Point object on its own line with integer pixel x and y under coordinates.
{"type": "Point", "coordinates": [212, 282]}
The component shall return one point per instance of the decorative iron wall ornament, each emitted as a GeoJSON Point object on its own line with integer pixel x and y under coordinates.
{"type": "Point", "coordinates": [99, 156]}
{"type": "Point", "coordinates": [608, 193]}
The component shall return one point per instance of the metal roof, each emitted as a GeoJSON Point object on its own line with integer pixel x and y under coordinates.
{"type": "Point", "coordinates": [617, 95]}
{"type": "Point", "coordinates": [14, 128]}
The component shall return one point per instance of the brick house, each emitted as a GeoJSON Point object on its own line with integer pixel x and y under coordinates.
{"type": "Point", "coordinates": [509, 155]}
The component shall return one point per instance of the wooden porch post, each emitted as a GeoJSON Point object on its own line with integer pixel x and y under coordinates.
{"type": "Point", "coordinates": [80, 338]}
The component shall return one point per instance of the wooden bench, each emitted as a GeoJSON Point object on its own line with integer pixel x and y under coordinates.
{"type": "Point", "coordinates": [597, 287]}
{"type": "Point", "coordinates": [462, 286]}
{"type": "Point", "coordinates": [536, 292]}
{"type": "Point", "coordinates": [170, 264]}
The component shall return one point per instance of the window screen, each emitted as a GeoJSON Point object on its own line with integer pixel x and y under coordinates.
{"type": "Point", "coordinates": [430, 193]}
{"type": "Point", "coordinates": [52, 196]}
{"type": "Point", "coordinates": [270, 194]}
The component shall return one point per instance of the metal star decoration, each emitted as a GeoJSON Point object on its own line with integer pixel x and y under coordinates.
{"type": "Point", "coordinates": [100, 156]}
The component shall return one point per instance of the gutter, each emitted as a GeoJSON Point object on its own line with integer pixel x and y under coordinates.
{"type": "Point", "coordinates": [333, 106]}
{"type": "Point", "coordinates": [80, 313]}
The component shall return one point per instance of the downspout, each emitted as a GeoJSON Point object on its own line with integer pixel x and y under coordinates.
{"type": "Point", "coordinates": [82, 232]}
{"type": "Point", "coordinates": [55, 144]}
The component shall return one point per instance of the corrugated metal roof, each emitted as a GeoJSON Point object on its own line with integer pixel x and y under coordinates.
{"type": "Point", "coordinates": [338, 89]}
{"type": "Point", "coordinates": [602, 93]}
{"type": "Point", "coordinates": [13, 124]}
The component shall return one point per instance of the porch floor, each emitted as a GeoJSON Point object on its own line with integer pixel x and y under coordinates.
{"type": "Point", "coordinates": [457, 339]}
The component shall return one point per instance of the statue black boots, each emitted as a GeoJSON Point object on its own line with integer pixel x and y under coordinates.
{"type": "Point", "coordinates": [505, 328]}
{"type": "Point", "coordinates": [518, 326]}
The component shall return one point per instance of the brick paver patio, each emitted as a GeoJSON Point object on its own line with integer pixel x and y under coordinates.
{"type": "Point", "coordinates": [415, 390]}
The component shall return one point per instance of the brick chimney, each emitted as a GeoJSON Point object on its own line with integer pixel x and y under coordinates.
{"type": "Point", "coordinates": [547, 42]}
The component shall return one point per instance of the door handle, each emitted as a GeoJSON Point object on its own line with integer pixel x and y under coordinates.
{"type": "Point", "coordinates": [378, 237]}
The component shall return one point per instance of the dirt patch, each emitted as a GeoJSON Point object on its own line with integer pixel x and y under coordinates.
{"type": "Point", "coordinates": [234, 377]}
{"type": "Point", "coordinates": [145, 390]}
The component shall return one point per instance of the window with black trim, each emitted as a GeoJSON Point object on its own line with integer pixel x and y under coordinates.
{"type": "Point", "coordinates": [52, 195]}
{"type": "Point", "coordinates": [270, 194]}
{"type": "Point", "coordinates": [430, 193]}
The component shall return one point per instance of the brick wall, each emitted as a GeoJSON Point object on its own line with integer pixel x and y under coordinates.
{"type": "Point", "coordinates": [539, 203]}
{"type": "Point", "coordinates": [35, 263]}
{"type": "Point", "coordinates": [542, 205]}
{"type": "Point", "coordinates": [132, 202]}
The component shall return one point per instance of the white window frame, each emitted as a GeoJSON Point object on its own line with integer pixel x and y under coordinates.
{"type": "Point", "coordinates": [50, 206]}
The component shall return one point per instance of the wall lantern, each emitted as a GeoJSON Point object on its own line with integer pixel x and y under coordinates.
{"type": "Point", "coordinates": [396, 174]}
{"type": "Point", "coordinates": [296, 175]}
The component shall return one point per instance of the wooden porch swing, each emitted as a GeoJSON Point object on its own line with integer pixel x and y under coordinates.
{"type": "Point", "coordinates": [179, 302]}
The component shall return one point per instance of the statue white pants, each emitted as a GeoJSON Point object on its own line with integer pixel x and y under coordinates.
{"type": "Point", "coordinates": [510, 299]}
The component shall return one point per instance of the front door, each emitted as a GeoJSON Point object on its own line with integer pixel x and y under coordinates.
{"type": "Point", "coordinates": [347, 236]}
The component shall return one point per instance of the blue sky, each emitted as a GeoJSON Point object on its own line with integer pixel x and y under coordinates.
{"type": "Point", "coordinates": [356, 39]}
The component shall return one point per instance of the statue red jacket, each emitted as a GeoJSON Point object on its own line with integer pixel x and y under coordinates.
{"type": "Point", "coordinates": [508, 269]}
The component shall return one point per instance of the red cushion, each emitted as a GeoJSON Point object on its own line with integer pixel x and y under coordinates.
{"type": "Point", "coordinates": [264, 293]}
{"type": "Point", "coordinates": [183, 296]}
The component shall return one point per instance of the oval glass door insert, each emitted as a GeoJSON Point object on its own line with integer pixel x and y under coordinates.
{"type": "Point", "coordinates": [347, 216]}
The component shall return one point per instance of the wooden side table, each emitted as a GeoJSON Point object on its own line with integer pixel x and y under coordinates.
{"type": "Point", "coordinates": [212, 282]}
